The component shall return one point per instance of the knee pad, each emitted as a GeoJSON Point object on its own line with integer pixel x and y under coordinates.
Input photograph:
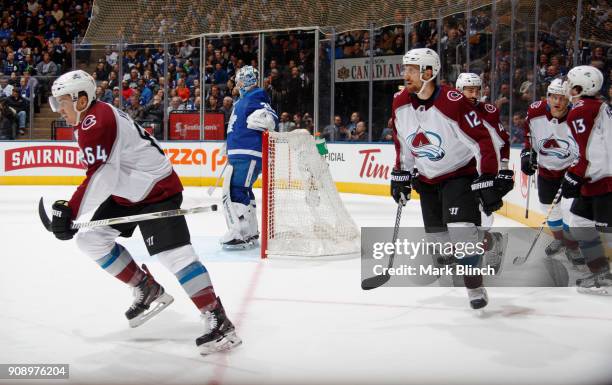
{"type": "Point", "coordinates": [97, 242]}
{"type": "Point", "coordinates": [177, 259]}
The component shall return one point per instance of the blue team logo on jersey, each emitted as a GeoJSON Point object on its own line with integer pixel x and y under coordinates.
{"type": "Point", "coordinates": [559, 148]}
{"type": "Point", "coordinates": [426, 144]}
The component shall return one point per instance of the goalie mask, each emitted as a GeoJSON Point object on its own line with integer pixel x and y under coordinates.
{"type": "Point", "coordinates": [72, 83]}
{"type": "Point", "coordinates": [246, 79]}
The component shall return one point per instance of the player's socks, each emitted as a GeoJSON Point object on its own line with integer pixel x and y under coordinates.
{"type": "Point", "coordinates": [196, 282]}
{"type": "Point", "coordinates": [120, 264]}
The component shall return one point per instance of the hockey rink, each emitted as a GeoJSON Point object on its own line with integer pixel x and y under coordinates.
{"type": "Point", "coordinates": [301, 321]}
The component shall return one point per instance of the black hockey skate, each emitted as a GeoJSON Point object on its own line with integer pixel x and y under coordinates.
{"type": "Point", "coordinates": [148, 292]}
{"type": "Point", "coordinates": [221, 334]}
{"type": "Point", "coordinates": [478, 298]}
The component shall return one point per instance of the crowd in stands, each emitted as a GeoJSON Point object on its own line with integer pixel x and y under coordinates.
{"type": "Point", "coordinates": [36, 36]}
{"type": "Point", "coordinates": [35, 46]}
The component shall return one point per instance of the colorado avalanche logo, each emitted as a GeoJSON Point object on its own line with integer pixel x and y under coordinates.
{"type": "Point", "coordinates": [88, 122]}
{"type": "Point", "coordinates": [426, 144]}
{"type": "Point", "coordinates": [490, 108]}
{"type": "Point", "coordinates": [556, 147]}
{"type": "Point", "coordinates": [453, 95]}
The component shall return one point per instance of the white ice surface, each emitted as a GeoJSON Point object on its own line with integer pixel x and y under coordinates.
{"type": "Point", "coordinates": [302, 321]}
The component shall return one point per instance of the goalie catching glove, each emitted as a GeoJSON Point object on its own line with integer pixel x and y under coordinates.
{"type": "Point", "coordinates": [488, 192]}
{"type": "Point", "coordinates": [401, 186]}
{"type": "Point", "coordinates": [62, 220]}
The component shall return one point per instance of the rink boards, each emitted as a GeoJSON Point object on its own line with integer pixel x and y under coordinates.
{"type": "Point", "coordinates": [362, 168]}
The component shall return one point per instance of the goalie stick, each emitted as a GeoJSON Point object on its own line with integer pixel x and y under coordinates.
{"type": "Point", "coordinates": [521, 260]}
{"type": "Point", "coordinates": [379, 280]}
{"type": "Point", "coordinates": [127, 219]}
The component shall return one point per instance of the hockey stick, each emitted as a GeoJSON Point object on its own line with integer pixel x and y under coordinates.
{"type": "Point", "coordinates": [556, 199]}
{"type": "Point", "coordinates": [212, 189]}
{"type": "Point", "coordinates": [127, 219]}
{"type": "Point", "coordinates": [529, 180]}
{"type": "Point", "coordinates": [379, 280]}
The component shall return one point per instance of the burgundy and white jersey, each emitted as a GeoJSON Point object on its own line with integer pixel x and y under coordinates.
{"type": "Point", "coordinates": [590, 122]}
{"type": "Point", "coordinates": [123, 161]}
{"type": "Point", "coordinates": [443, 137]}
{"type": "Point", "coordinates": [551, 140]}
{"type": "Point", "coordinates": [500, 136]}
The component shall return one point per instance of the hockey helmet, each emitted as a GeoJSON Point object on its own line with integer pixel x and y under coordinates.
{"type": "Point", "coordinates": [468, 79]}
{"type": "Point", "coordinates": [589, 78]}
{"type": "Point", "coordinates": [72, 83]}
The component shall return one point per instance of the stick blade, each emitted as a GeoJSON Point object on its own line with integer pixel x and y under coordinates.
{"type": "Point", "coordinates": [43, 215]}
{"type": "Point", "coordinates": [374, 282]}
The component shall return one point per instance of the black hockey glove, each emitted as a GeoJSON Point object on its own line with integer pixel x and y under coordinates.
{"type": "Point", "coordinates": [60, 224]}
{"type": "Point", "coordinates": [570, 187]}
{"type": "Point", "coordinates": [487, 193]}
{"type": "Point", "coordinates": [401, 186]}
{"type": "Point", "coordinates": [504, 181]}
{"type": "Point", "coordinates": [529, 162]}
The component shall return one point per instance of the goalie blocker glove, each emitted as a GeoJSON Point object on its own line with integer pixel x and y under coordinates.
{"type": "Point", "coordinates": [61, 221]}
{"type": "Point", "coordinates": [401, 186]}
{"type": "Point", "coordinates": [529, 161]}
{"type": "Point", "coordinates": [570, 187]}
{"type": "Point", "coordinates": [488, 192]}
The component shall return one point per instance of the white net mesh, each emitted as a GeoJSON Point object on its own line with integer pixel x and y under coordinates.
{"type": "Point", "coordinates": [305, 214]}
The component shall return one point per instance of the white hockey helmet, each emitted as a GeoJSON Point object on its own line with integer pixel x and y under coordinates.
{"type": "Point", "coordinates": [468, 79]}
{"type": "Point", "coordinates": [424, 58]}
{"type": "Point", "coordinates": [589, 78]}
{"type": "Point", "coordinates": [557, 87]}
{"type": "Point", "coordinates": [72, 83]}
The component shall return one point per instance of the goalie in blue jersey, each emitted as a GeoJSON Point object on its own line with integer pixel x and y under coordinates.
{"type": "Point", "coordinates": [251, 116]}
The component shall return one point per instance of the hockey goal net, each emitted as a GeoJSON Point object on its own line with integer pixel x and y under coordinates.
{"type": "Point", "coordinates": [302, 213]}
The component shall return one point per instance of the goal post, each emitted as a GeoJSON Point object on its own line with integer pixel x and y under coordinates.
{"type": "Point", "coordinates": [302, 213]}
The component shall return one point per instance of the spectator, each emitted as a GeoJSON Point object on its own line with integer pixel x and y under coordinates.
{"type": "Point", "coordinates": [47, 69]}
{"type": "Point", "coordinates": [117, 103]}
{"type": "Point", "coordinates": [297, 119]}
{"type": "Point", "coordinates": [387, 133]}
{"type": "Point", "coordinates": [361, 133]}
{"type": "Point", "coordinates": [517, 128]}
{"type": "Point", "coordinates": [182, 91]}
{"type": "Point", "coordinates": [335, 132]}
{"type": "Point", "coordinates": [220, 75]}
{"type": "Point", "coordinates": [20, 107]}
{"type": "Point", "coordinates": [6, 89]}
{"type": "Point", "coordinates": [175, 105]}
{"type": "Point", "coordinates": [503, 101]}
{"type": "Point", "coordinates": [101, 73]}
{"type": "Point", "coordinates": [145, 92]}
{"type": "Point", "coordinates": [154, 113]}
{"type": "Point", "coordinates": [285, 124]}
{"type": "Point", "coordinates": [355, 118]}
{"type": "Point", "coordinates": [212, 104]}
{"type": "Point", "coordinates": [134, 109]}
{"type": "Point", "coordinates": [226, 109]}
{"type": "Point", "coordinates": [126, 91]}
{"type": "Point", "coordinates": [7, 120]}
{"type": "Point", "coordinates": [12, 66]}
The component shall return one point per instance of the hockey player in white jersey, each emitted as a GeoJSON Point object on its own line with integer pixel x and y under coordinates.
{"type": "Point", "coordinates": [251, 116]}
{"type": "Point", "coordinates": [550, 149]}
{"type": "Point", "coordinates": [470, 86]}
{"type": "Point", "coordinates": [436, 130]}
{"type": "Point", "coordinates": [589, 181]}
{"type": "Point", "coordinates": [128, 174]}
